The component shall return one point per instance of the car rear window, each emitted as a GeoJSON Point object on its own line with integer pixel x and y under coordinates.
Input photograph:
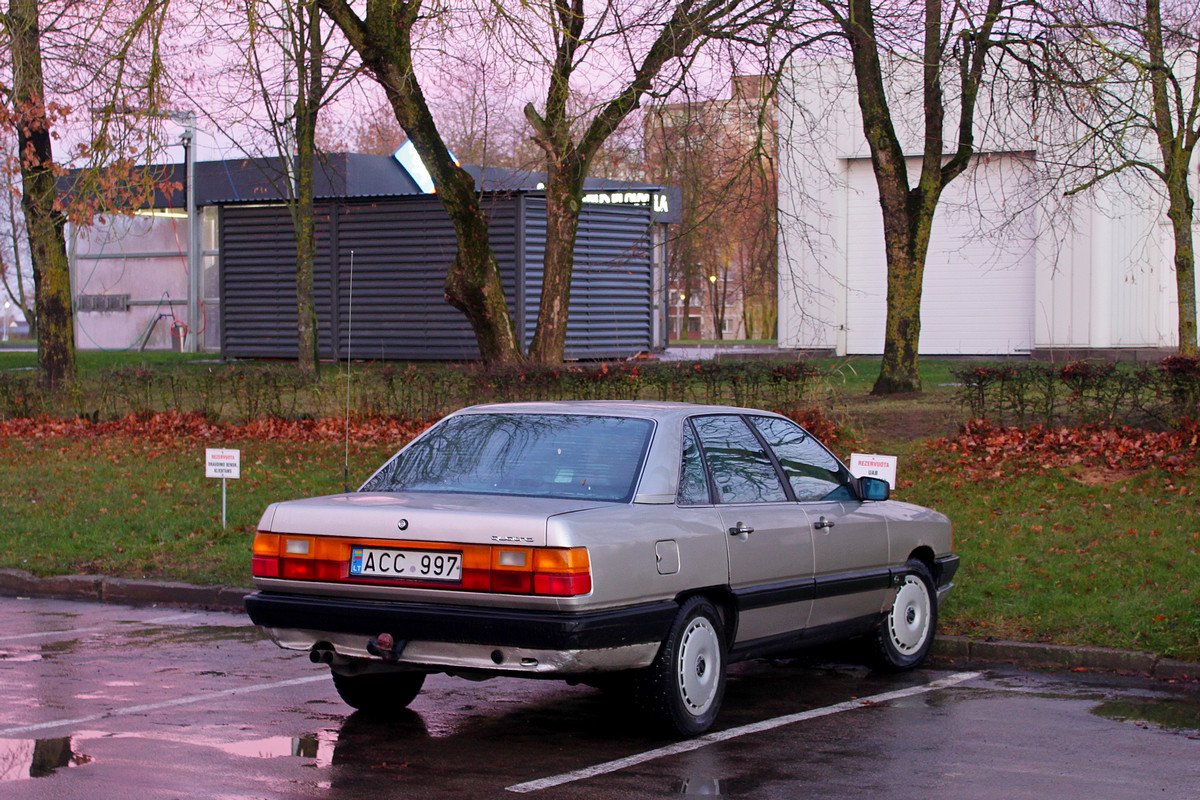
{"type": "Point", "coordinates": [539, 455]}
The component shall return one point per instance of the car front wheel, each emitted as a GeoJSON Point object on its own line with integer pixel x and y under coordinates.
{"type": "Point", "coordinates": [686, 683]}
{"type": "Point", "coordinates": [379, 694]}
{"type": "Point", "coordinates": [907, 631]}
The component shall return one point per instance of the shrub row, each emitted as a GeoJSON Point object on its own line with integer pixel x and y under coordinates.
{"type": "Point", "coordinates": [248, 391]}
{"type": "Point", "coordinates": [1160, 395]}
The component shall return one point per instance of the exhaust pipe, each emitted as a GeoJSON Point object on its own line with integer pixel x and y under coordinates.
{"type": "Point", "coordinates": [321, 655]}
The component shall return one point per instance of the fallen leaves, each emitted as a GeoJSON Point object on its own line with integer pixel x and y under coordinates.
{"type": "Point", "coordinates": [987, 450]}
{"type": "Point", "coordinates": [171, 426]}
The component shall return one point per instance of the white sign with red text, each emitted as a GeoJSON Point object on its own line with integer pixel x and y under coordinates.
{"type": "Point", "coordinates": [223, 464]}
{"type": "Point", "coordinates": [874, 466]}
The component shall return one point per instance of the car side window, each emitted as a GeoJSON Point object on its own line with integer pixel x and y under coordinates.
{"type": "Point", "coordinates": [812, 471]}
{"type": "Point", "coordinates": [741, 469]}
{"type": "Point", "coordinates": [693, 480]}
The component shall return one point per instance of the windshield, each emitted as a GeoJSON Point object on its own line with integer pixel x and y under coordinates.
{"type": "Point", "coordinates": [539, 455]}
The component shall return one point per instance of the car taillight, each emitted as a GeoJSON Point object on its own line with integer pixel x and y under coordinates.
{"type": "Point", "coordinates": [552, 571]}
{"type": "Point", "coordinates": [562, 572]}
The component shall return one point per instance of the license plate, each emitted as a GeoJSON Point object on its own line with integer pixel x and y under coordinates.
{"type": "Point", "coordinates": [422, 565]}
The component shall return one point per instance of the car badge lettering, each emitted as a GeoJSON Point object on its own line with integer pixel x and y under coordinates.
{"type": "Point", "coordinates": [513, 539]}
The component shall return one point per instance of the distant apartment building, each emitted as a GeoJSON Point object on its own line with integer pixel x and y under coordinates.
{"type": "Point", "coordinates": [722, 263]}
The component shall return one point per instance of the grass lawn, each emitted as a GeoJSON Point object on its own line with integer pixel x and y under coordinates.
{"type": "Point", "coordinates": [1070, 555]}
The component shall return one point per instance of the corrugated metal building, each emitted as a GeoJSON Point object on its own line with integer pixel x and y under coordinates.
{"type": "Point", "coordinates": [384, 246]}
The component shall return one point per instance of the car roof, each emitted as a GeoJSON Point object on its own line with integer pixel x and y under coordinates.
{"type": "Point", "coordinates": [661, 411]}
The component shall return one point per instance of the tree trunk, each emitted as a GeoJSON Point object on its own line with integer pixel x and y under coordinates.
{"type": "Point", "coordinates": [309, 96]}
{"type": "Point", "coordinates": [899, 370]}
{"type": "Point", "coordinates": [307, 355]}
{"type": "Point", "coordinates": [1176, 147]}
{"type": "Point", "coordinates": [564, 198]}
{"type": "Point", "coordinates": [905, 270]}
{"type": "Point", "coordinates": [43, 216]}
{"type": "Point", "coordinates": [1180, 214]}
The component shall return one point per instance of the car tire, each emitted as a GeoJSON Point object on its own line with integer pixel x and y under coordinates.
{"type": "Point", "coordinates": [685, 685]}
{"type": "Point", "coordinates": [906, 632]}
{"type": "Point", "coordinates": [379, 694]}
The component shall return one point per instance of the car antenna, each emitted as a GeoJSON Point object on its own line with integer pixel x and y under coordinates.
{"type": "Point", "coordinates": [349, 339]}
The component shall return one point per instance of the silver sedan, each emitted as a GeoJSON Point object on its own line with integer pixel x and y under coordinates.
{"type": "Point", "coordinates": [641, 545]}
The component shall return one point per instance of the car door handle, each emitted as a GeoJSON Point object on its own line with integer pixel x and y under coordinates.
{"type": "Point", "coordinates": [822, 523]}
{"type": "Point", "coordinates": [740, 528]}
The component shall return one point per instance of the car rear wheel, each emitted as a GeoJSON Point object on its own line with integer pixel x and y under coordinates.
{"type": "Point", "coordinates": [379, 694]}
{"type": "Point", "coordinates": [907, 631]}
{"type": "Point", "coordinates": [686, 683]}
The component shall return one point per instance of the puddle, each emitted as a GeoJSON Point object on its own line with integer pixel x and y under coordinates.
{"type": "Point", "coordinates": [317, 748]}
{"type": "Point", "coordinates": [37, 758]}
{"type": "Point", "coordinates": [708, 787]}
{"type": "Point", "coordinates": [1175, 715]}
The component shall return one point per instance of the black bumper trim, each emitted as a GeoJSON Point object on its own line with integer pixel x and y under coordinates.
{"type": "Point", "coordinates": [776, 594]}
{"type": "Point", "coordinates": [539, 630]}
{"type": "Point", "coordinates": [944, 569]}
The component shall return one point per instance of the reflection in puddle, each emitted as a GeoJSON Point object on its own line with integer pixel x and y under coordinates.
{"type": "Point", "coordinates": [1176, 715]}
{"type": "Point", "coordinates": [709, 787]}
{"type": "Point", "coordinates": [316, 747]}
{"type": "Point", "coordinates": [20, 759]}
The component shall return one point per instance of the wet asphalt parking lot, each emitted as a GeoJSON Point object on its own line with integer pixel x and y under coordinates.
{"type": "Point", "coordinates": [104, 701]}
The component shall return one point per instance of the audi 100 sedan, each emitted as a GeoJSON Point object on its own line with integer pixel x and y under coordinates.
{"type": "Point", "coordinates": [623, 544]}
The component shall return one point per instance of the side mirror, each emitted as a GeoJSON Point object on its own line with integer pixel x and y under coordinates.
{"type": "Point", "coordinates": [873, 489]}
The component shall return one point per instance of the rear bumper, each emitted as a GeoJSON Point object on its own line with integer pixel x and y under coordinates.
{"type": "Point", "coordinates": [448, 637]}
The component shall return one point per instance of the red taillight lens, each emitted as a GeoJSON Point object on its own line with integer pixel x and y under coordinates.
{"type": "Point", "coordinates": [562, 585]}
{"type": "Point", "coordinates": [264, 567]}
{"type": "Point", "coordinates": [298, 569]}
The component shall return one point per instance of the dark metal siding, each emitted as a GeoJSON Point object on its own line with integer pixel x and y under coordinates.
{"type": "Point", "coordinates": [400, 251]}
{"type": "Point", "coordinates": [612, 285]}
{"type": "Point", "coordinates": [258, 281]}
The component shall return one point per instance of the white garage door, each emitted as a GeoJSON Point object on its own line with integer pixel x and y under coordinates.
{"type": "Point", "coordinates": [979, 276]}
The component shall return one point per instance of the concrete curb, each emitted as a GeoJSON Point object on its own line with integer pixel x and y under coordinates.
{"type": "Point", "coordinates": [958, 651]}
{"type": "Point", "coordinates": [103, 589]}
{"type": "Point", "coordinates": [962, 651]}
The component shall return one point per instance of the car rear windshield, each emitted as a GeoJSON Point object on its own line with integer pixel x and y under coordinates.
{"type": "Point", "coordinates": [539, 455]}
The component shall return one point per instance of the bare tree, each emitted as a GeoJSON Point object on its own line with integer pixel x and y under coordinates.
{"type": "Point", "coordinates": [654, 37]}
{"type": "Point", "coordinates": [722, 154]}
{"type": "Point", "coordinates": [292, 66]}
{"type": "Point", "coordinates": [964, 40]}
{"type": "Point", "coordinates": [1127, 76]}
{"type": "Point", "coordinates": [634, 42]}
{"type": "Point", "coordinates": [384, 39]}
{"type": "Point", "coordinates": [120, 70]}
{"type": "Point", "coordinates": [34, 118]}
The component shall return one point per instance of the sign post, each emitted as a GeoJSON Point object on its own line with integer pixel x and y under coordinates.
{"type": "Point", "coordinates": [223, 464]}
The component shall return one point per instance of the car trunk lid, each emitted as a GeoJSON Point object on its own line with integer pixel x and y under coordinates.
{"type": "Point", "coordinates": [431, 517]}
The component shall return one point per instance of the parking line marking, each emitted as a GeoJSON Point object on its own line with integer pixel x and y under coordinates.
{"type": "Point", "coordinates": [179, 701]}
{"type": "Point", "coordinates": [733, 733]}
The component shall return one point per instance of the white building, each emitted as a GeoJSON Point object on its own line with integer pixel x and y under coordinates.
{"type": "Point", "coordinates": [1013, 266]}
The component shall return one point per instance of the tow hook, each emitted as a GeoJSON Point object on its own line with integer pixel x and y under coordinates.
{"type": "Point", "coordinates": [386, 647]}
